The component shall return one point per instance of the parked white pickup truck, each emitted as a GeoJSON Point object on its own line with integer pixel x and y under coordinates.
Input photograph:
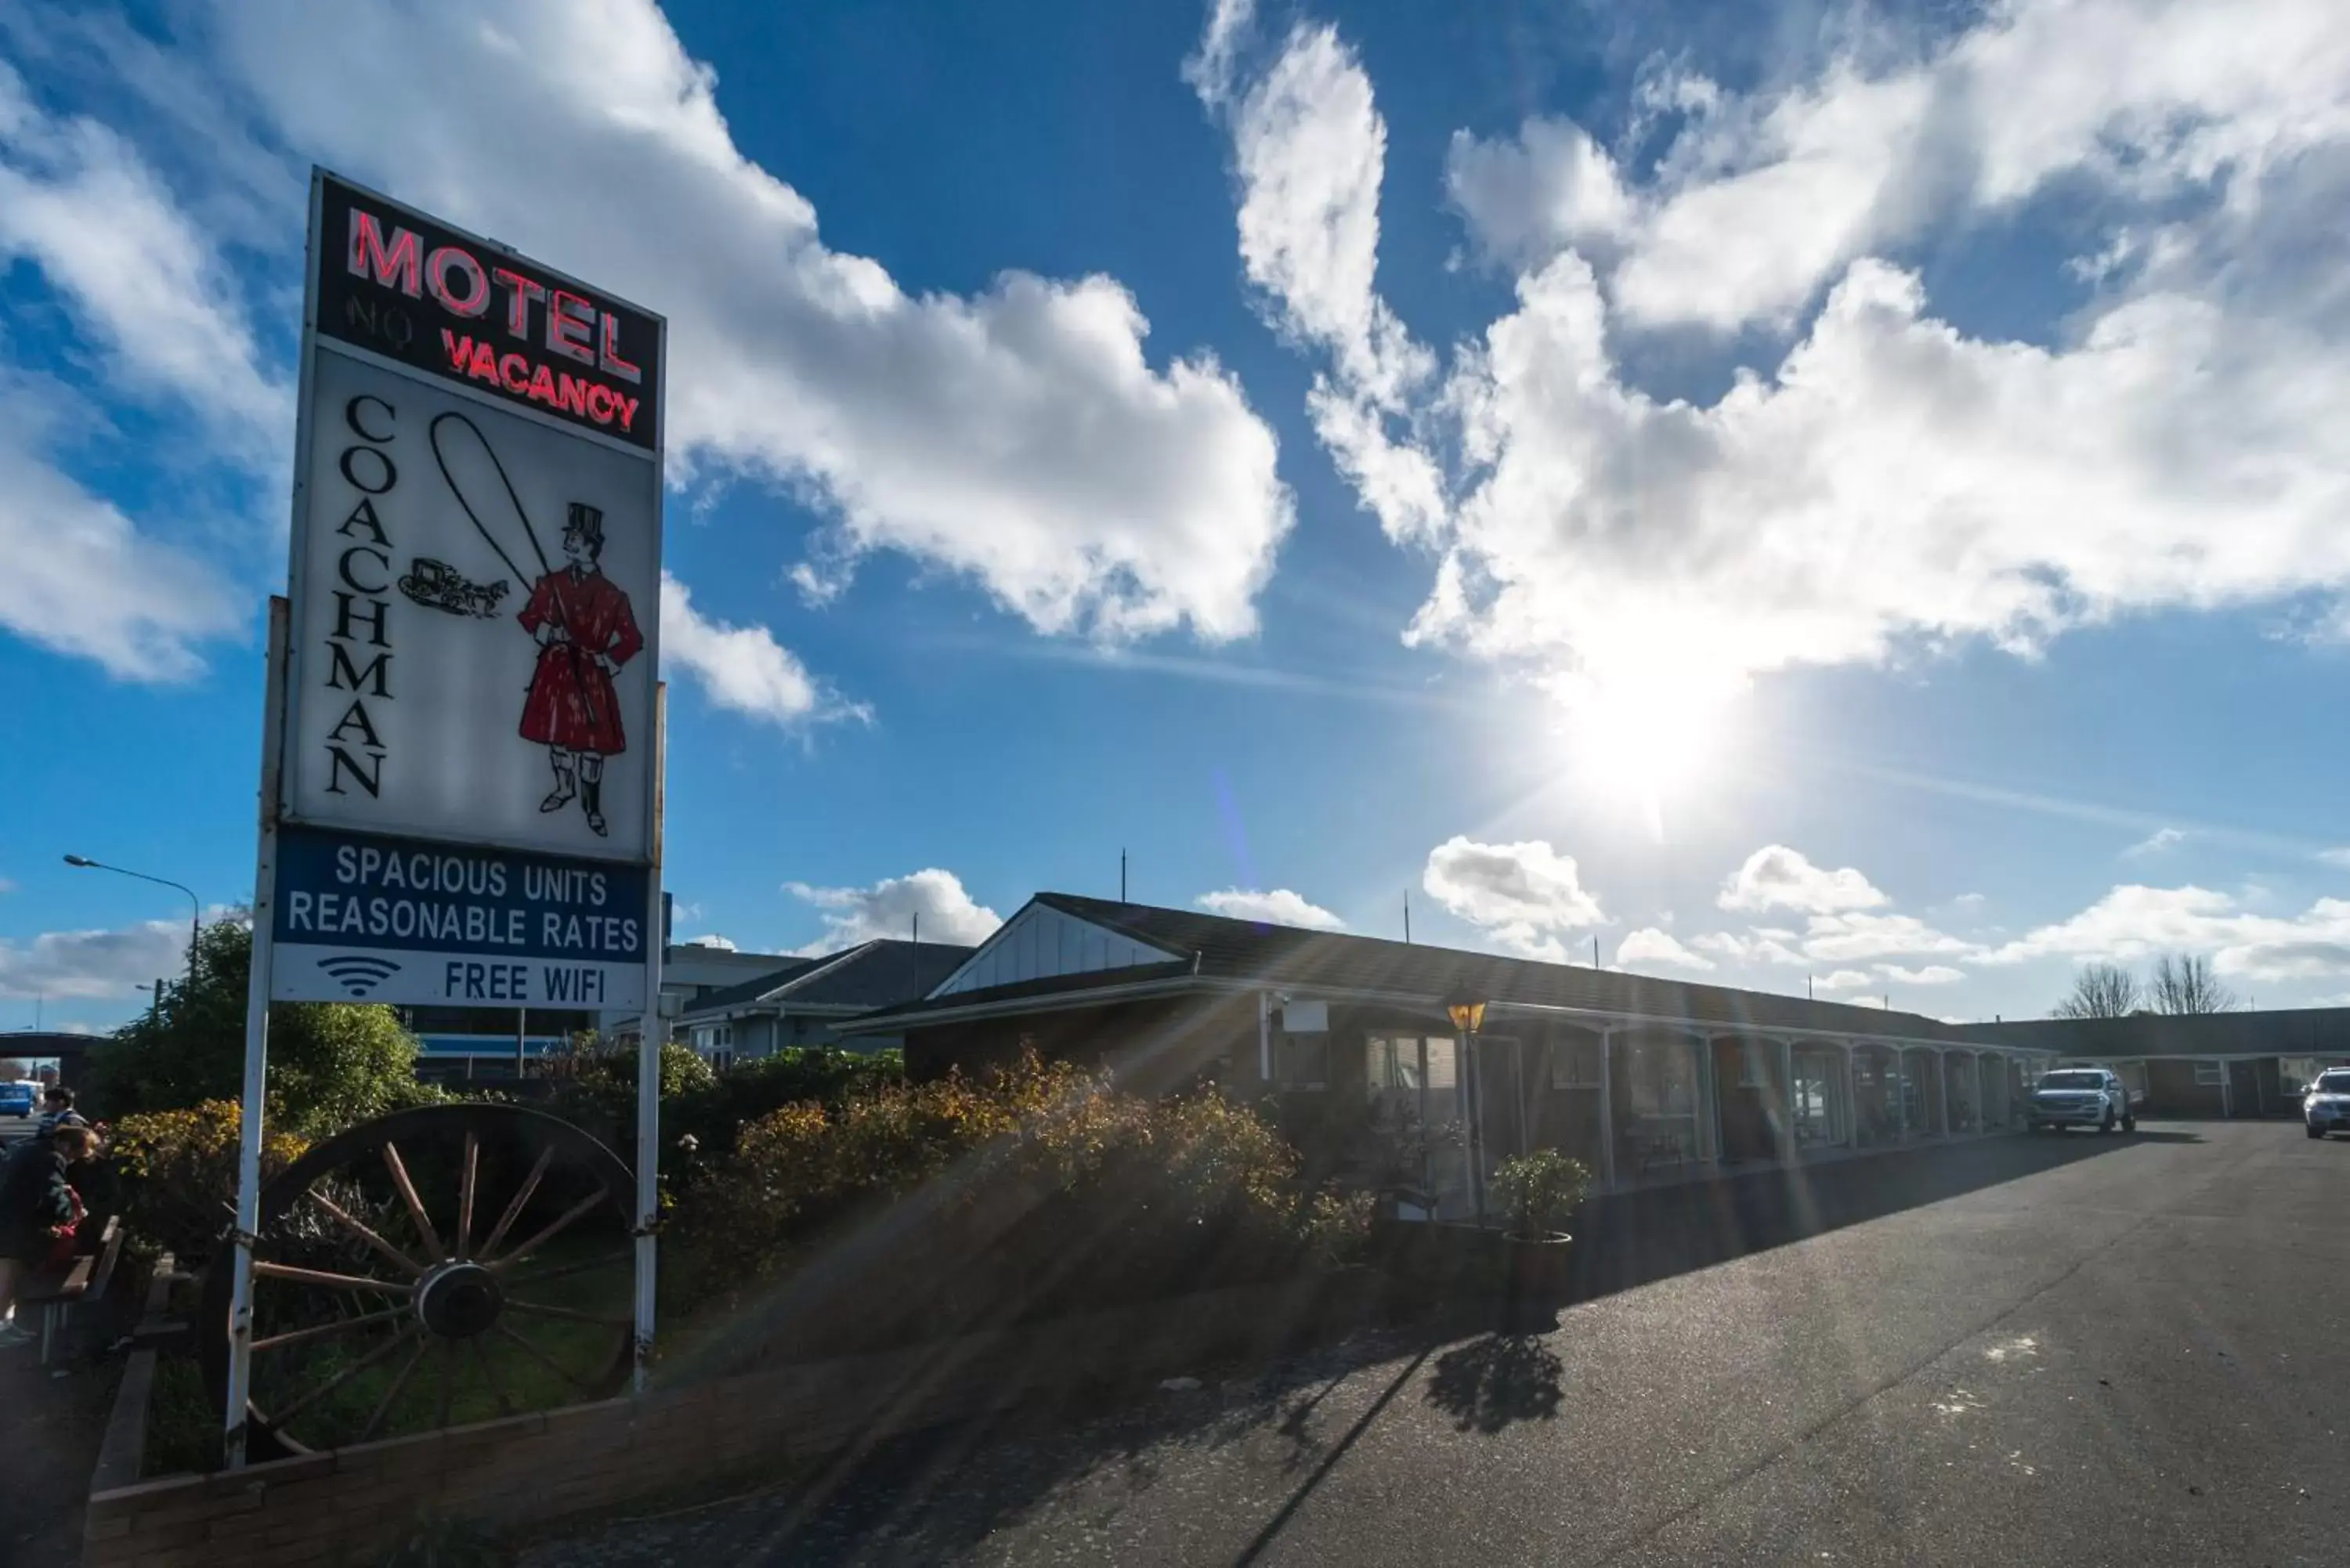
{"type": "Point", "coordinates": [2081, 1097]}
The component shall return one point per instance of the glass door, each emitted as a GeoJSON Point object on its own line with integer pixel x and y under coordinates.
{"type": "Point", "coordinates": [1817, 1101]}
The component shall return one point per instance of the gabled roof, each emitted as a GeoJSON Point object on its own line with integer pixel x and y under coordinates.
{"type": "Point", "coordinates": [872, 974]}
{"type": "Point", "coordinates": [1214, 948]}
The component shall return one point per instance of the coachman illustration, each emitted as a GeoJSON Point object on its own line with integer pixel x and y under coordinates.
{"type": "Point", "coordinates": [586, 630]}
{"type": "Point", "coordinates": [585, 626]}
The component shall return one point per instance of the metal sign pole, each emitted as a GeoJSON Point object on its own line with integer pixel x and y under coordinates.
{"type": "Point", "coordinates": [649, 1055]}
{"type": "Point", "coordinates": [256, 1051]}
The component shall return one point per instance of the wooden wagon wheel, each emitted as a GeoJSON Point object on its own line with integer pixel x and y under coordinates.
{"type": "Point", "coordinates": [434, 1266]}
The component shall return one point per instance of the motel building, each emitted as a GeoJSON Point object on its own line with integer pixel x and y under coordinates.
{"type": "Point", "coordinates": [458, 1045]}
{"type": "Point", "coordinates": [2243, 1063]}
{"type": "Point", "coordinates": [1351, 1042]}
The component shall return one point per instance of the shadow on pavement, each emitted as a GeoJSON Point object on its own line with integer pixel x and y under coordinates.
{"type": "Point", "coordinates": [1630, 1240]}
{"type": "Point", "coordinates": [938, 1496]}
{"type": "Point", "coordinates": [1496, 1381]}
{"type": "Point", "coordinates": [945, 1494]}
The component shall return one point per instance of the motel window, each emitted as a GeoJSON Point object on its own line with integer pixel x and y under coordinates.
{"type": "Point", "coordinates": [2209, 1074]}
{"type": "Point", "coordinates": [1396, 1062]}
{"type": "Point", "coordinates": [1442, 1072]}
{"type": "Point", "coordinates": [1661, 1075]}
{"type": "Point", "coordinates": [1391, 1065]}
{"type": "Point", "coordinates": [1301, 1061]}
{"type": "Point", "coordinates": [1751, 1071]}
{"type": "Point", "coordinates": [1574, 1065]}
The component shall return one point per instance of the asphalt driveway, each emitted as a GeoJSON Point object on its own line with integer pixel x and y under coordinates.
{"type": "Point", "coordinates": [2074, 1350]}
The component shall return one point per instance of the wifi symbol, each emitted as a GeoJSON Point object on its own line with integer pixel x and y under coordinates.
{"type": "Point", "coordinates": [357, 974]}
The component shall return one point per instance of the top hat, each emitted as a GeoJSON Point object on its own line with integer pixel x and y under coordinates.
{"type": "Point", "coordinates": [588, 522]}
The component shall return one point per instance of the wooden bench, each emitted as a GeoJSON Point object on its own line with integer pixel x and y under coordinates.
{"type": "Point", "coordinates": [58, 1292]}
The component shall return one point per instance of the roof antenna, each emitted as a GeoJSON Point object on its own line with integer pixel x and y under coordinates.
{"type": "Point", "coordinates": [1407, 917]}
{"type": "Point", "coordinates": [1809, 995]}
{"type": "Point", "coordinates": [1121, 876]}
{"type": "Point", "coordinates": [917, 928]}
{"type": "Point", "coordinates": [1595, 950]}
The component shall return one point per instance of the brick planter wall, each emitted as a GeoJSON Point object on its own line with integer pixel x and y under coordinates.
{"type": "Point", "coordinates": [349, 1505]}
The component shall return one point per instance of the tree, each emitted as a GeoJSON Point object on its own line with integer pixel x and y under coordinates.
{"type": "Point", "coordinates": [2101, 991]}
{"type": "Point", "coordinates": [12, 1069]}
{"type": "Point", "coordinates": [331, 1064]}
{"type": "Point", "coordinates": [2185, 983]}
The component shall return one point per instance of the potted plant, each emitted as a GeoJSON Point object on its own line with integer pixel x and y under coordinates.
{"type": "Point", "coordinates": [1538, 1191]}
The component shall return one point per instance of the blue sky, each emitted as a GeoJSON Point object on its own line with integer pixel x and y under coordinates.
{"type": "Point", "coordinates": [1816, 492]}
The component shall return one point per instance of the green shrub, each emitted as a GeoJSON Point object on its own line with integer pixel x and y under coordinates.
{"type": "Point", "coordinates": [183, 1424]}
{"type": "Point", "coordinates": [1336, 1227]}
{"type": "Point", "coordinates": [175, 1174]}
{"type": "Point", "coordinates": [1148, 1177]}
{"type": "Point", "coordinates": [714, 1114]}
{"type": "Point", "coordinates": [1539, 1189]}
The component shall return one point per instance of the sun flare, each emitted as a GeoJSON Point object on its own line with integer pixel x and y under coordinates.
{"type": "Point", "coordinates": [1644, 737]}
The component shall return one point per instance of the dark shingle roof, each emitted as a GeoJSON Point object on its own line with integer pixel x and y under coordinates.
{"type": "Point", "coordinates": [878, 973]}
{"type": "Point", "coordinates": [749, 989]}
{"type": "Point", "coordinates": [2292, 1031]}
{"type": "Point", "coordinates": [1219, 948]}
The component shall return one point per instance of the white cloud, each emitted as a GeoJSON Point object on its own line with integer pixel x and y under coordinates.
{"type": "Point", "coordinates": [1016, 436]}
{"type": "Point", "coordinates": [721, 944]}
{"type": "Point", "coordinates": [1278, 908]}
{"type": "Point", "coordinates": [90, 964]}
{"type": "Point", "coordinates": [1551, 186]}
{"type": "Point", "coordinates": [1309, 151]}
{"type": "Point", "coordinates": [2336, 856]}
{"type": "Point", "coordinates": [1777, 877]}
{"type": "Point", "coordinates": [1651, 945]}
{"type": "Point", "coordinates": [79, 203]}
{"type": "Point", "coordinates": [744, 668]}
{"type": "Point", "coordinates": [1932, 974]}
{"type": "Point", "coordinates": [1757, 200]}
{"type": "Point", "coordinates": [1840, 980]}
{"type": "Point", "coordinates": [82, 577]}
{"type": "Point", "coordinates": [889, 909]}
{"type": "Point", "coordinates": [1759, 947]}
{"type": "Point", "coordinates": [2134, 922]}
{"type": "Point", "coordinates": [2155, 843]}
{"type": "Point", "coordinates": [1859, 935]}
{"type": "Point", "coordinates": [1210, 70]}
{"type": "Point", "coordinates": [142, 280]}
{"type": "Point", "coordinates": [1522, 896]}
{"type": "Point", "coordinates": [1888, 481]}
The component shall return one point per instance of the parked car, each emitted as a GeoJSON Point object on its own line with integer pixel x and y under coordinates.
{"type": "Point", "coordinates": [2081, 1097]}
{"type": "Point", "coordinates": [19, 1098]}
{"type": "Point", "coordinates": [2326, 1108]}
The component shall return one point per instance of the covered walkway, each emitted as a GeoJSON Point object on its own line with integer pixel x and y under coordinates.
{"type": "Point", "coordinates": [1645, 1103]}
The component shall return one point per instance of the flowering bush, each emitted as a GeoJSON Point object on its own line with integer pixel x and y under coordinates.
{"type": "Point", "coordinates": [176, 1173]}
{"type": "Point", "coordinates": [1062, 1167]}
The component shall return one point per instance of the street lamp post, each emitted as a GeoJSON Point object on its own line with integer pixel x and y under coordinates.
{"type": "Point", "coordinates": [195, 906]}
{"type": "Point", "coordinates": [1466, 1011]}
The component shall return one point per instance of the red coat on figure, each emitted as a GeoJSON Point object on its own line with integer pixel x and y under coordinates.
{"type": "Point", "coordinates": [571, 704]}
